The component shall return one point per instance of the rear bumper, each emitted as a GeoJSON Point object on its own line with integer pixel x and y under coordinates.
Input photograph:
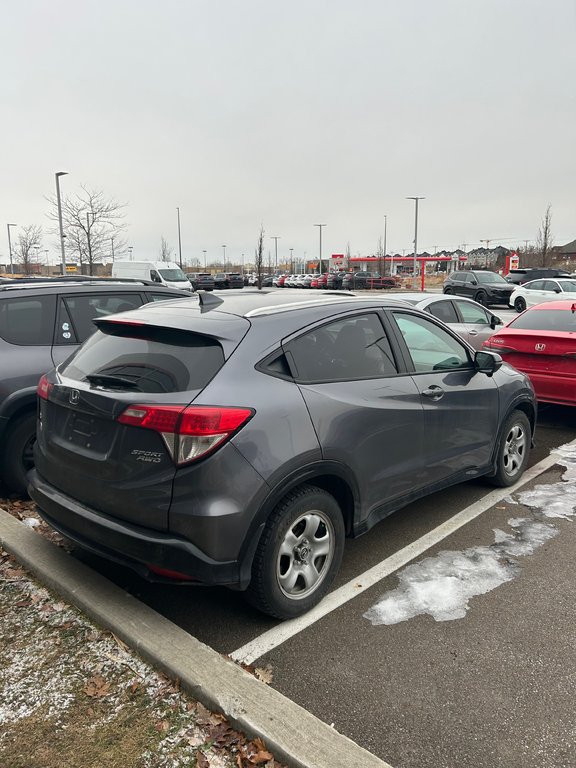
{"type": "Point", "coordinates": [135, 547]}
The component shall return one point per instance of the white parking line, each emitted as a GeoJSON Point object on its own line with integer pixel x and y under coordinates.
{"type": "Point", "coordinates": [274, 637]}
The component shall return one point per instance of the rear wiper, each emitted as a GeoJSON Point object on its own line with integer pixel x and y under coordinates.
{"type": "Point", "coordinates": [104, 378]}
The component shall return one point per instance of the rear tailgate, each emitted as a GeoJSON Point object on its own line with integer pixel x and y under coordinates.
{"type": "Point", "coordinates": [83, 450]}
{"type": "Point", "coordinates": [550, 361]}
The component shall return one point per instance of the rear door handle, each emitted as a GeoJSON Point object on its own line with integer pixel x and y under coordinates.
{"type": "Point", "coordinates": [434, 392]}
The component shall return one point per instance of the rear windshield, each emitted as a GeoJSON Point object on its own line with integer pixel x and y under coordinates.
{"type": "Point", "coordinates": [146, 360]}
{"type": "Point", "coordinates": [546, 320]}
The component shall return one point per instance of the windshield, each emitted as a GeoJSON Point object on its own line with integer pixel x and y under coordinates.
{"type": "Point", "coordinates": [546, 320]}
{"type": "Point", "coordinates": [567, 285]}
{"type": "Point", "coordinates": [489, 277]}
{"type": "Point", "coordinates": [175, 275]}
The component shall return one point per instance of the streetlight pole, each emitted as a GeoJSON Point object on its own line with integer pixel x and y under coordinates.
{"type": "Point", "coordinates": [10, 246]}
{"type": "Point", "coordinates": [291, 260]}
{"type": "Point", "coordinates": [112, 241]}
{"type": "Point", "coordinates": [416, 199]}
{"type": "Point", "coordinates": [130, 249]}
{"type": "Point", "coordinates": [224, 251]}
{"type": "Point", "coordinates": [275, 238]}
{"type": "Point", "coordinates": [320, 230]}
{"type": "Point", "coordinates": [179, 239]}
{"type": "Point", "coordinates": [385, 232]}
{"type": "Point", "coordinates": [62, 252]}
{"type": "Point", "coordinates": [205, 265]}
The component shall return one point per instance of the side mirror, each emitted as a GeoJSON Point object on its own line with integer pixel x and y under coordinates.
{"type": "Point", "coordinates": [487, 362]}
{"type": "Point", "coordinates": [557, 290]}
{"type": "Point", "coordinates": [495, 320]}
{"type": "Point", "coordinates": [474, 282]}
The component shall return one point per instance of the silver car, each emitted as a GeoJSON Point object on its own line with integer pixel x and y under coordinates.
{"type": "Point", "coordinates": [470, 320]}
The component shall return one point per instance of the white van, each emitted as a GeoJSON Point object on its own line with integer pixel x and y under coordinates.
{"type": "Point", "coordinates": [163, 272]}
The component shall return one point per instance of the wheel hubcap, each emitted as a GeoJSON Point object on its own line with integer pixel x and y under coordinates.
{"type": "Point", "coordinates": [515, 449]}
{"type": "Point", "coordinates": [305, 555]}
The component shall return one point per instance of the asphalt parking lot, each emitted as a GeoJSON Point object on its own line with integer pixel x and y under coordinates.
{"type": "Point", "coordinates": [494, 687]}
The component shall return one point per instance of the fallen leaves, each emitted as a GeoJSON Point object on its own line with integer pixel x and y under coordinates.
{"type": "Point", "coordinates": [97, 687]}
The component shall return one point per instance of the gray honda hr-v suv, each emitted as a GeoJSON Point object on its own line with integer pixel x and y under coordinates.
{"type": "Point", "coordinates": [239, 440]}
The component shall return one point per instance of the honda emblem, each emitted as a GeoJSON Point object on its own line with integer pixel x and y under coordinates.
{"type": "Point", "coordinates": [540, 347]}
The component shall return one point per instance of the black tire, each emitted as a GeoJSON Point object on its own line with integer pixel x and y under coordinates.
{"type": "Point", "coordinates": [482, 298]}
{"type": "Point", "coordinates": [513, 450]}
{"type": "Point", "coordinates": [17, 453]}
{"type": "Point", "coordinates": [519, 303]}
{"type": "Point", "coordinates": [298, 555]}
{"type": "Point", "coordinates": [448, 290]}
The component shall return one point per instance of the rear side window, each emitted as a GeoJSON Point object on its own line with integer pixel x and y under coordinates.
{"type": "Point", "coordinates": [142, 359]}
{"type": "Point", "coordinates": [443, 310]}
{"type": "Point", "coordinates": [27, 321]}
{"type": "Point", "coordinates": [76, 313]}
{"type": "Point", "coordinates": [354, 348]}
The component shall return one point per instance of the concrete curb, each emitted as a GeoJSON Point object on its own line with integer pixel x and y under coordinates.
{"type": "Point", "coordinates": [296, 737]}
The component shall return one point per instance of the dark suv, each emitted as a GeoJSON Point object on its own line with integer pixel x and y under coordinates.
{"type": "Point", "coordinates": [356, 280]}
{"type": "Point", "coordinates": [41, 324]}
{"type": "Point", "coordinates": [238, 440]}
{"type": "Point", "coordinates": [483, 286]}
{"type": "Point", "coordinates": [520, 276]}
{"type": "Point", "coordinates": [201, 281]}
{"type": "Point", "coordinates": [228, 280]}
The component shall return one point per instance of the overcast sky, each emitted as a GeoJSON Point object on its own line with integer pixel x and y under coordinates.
{"type": "Point", "coordinates": [250, 112]}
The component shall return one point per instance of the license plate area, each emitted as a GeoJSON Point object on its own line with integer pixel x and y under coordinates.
{"type": "Point", "coordinates": [86, 432]}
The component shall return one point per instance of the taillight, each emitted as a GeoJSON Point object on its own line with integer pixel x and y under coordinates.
{"type": "Point", "coordinates": [44, 388]}
{"type": "Point", "coordinates": [189, 433]}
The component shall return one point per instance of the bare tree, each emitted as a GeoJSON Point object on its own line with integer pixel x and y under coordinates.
{"type": "Point", "coordinates": [259, 257]}
{"type": "Point", "coordinates": [544, 239]}
{"type": "Point", "coordinates": [165, 250]}
{"type": "Point", "coordinates": [90, 221]}
{"type": "Point", "coordinates": [27, 247]}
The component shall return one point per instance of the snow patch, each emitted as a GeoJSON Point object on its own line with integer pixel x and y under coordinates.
{"type": "Point", "coordinates": [442, 586]}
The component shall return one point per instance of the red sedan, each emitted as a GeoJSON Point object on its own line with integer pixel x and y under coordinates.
{"type": "Point", "coordinates": [541, 342]}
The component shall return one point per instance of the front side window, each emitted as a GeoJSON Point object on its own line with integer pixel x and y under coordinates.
{"type": "Point", "coordinates": [431, 348]}
{"type": "Point", "coordinates": [471, 313]}
{"type": "Point", "coordinates": [354, 348]}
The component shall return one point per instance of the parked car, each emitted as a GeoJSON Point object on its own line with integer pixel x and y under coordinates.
{"type": "Point", "coordinates": [483, 286]}
{"type": "Point", "coordinates": [538, 291]}
{"type": "Point", "coordinates": [470, 320]}
{"type": "Point", "coordinates": [161, 444]}
{"type": "Point", "coordinates": [541, 343]}
{"type": "Point", "coordinates": [224, 280]}
{"type": "Point", "coordinates": [201, 280]}
{"type": "Point", "coordinates": [367, 280]}
{"type": "Point", "coordinates": [334, 280]}
{"type": "Point", "coordinates": [521, 276]}
{"type": "Point", "coordinates": [41, 324]}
